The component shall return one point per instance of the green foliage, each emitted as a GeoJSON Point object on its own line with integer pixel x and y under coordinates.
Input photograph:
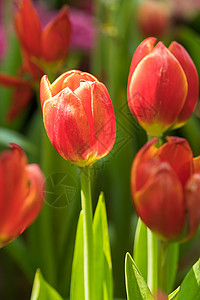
{"type": "Point", "coordinates": [42, 290]}
{"type": "Point", "coordinates": [102, 266]}
{"type": "Point", "coordinates": [77, 279]}
{"type": "Point", "coordinates": [140, 248]}
{"type": "Point", "coordinates": [190, 287]}
{"type": "Point", "coordinates": [102, 257]}
{"type": "Point", "coordinates": [136, 286]}
{"type": "Point", "coordinates": [174, 294]}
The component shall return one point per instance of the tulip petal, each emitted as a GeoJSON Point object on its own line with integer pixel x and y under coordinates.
{"type": "Point", "coordinates": [196, 164]}
{"type": "Point", "coordinates": [22, 94]}
{"type": "Point", "coordinates": [28, 27]}
{"type": "Point", "coordinates": [178, 154]}
{"type": "Point", "coordinates": [103, 119]}
{"type": "Point", "coordinates": [35, 197]}
{"type": "Point", "coordinates": [56, 37]}
{"type": "Point", "coordinates": [100, 114]}
{"type": "Point", "coordinates": [11, 81]}
{"type": "Point", "coordinates": [155, 203]}
{"type": "Point", "coordinates": [142, 50]}
{"type": "Point", "coordinates": [13, 188]}
{"type": "Point", "coordinates": [192, 194]}
{"type": "Point", "coordinates": [154, 98]}
{"type": "Point", "coordinates": [70, 79]}
{"type": "Point", "coordinates": [45, 90]}
{"type": "Point", "coordinates": [192, 79]}
{"type": "Point", "coordinates": [62, 115]}
{"type": "Point", "coordinates": [139, 172]}
{"type": "Point", "coordinates": [21, 193]}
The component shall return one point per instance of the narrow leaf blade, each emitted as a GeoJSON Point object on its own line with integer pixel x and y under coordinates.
{"type": "Point", "coordinates": [190, 287]}
{"type": "Point", "coordinates": [102, 257]}
{"type": "Point", "coordinates": [140, 248]}
{"type": "Point", "coordinates": [136, 287]}
{"type": "Point", "coordinates": [77, 279]}
{"type": "Point", "coordinates": [42, 290]}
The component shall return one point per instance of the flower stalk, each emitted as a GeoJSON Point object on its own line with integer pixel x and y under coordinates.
{"type": "Point", "coordinates": [86, 204]}
{"type": "Point", "coordinates": [152, 274]}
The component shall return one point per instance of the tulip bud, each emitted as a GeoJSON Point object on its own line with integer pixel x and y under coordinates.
{"type": "Point", "coordinates": [153, 18]}
{"type": "Point", "coordinates": [78, 117]}
{"type": "Point", "coordinates": [163, 86]}
{"type": "Point", "coordinates": [46, 47]}
{"type": "Point", "coordinates": [21, 195]}
{"type": "Point", "coordinates": [165, 185]}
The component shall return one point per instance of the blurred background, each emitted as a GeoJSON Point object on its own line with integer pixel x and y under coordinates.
{"type": "Point", "coordinates": [104, 36]}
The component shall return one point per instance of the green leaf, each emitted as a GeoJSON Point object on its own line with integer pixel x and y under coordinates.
{"type": "Point", "coordinates": [190, 287]}
{"type": "Point", "coordinates": [140, 248]}
{"type": "Point", "coordinates": [77, 278]}
{"type": "Point", "coordinates": [8, 136]}
{"type": "Point", "coordinates": [174, 294]}
{"type": "Point", "coordinates": [102, 257]}
{"type": "Point", "coordinates": [136, 287]}
{"type": "Point", "coordinates": [42, 290]}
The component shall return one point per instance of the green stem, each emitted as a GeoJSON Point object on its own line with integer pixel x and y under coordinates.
{"type": "Point", "coordinates": [88, 234]}
{"type": "Point", "coordinates": [152, 275]}
{"type": "Point", "coordinates": [163, 266]}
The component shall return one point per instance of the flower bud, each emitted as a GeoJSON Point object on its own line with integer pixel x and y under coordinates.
{"type": "Point", "coordinates": [21, 195]}
{"type": "Point", "coordinates": [165, 185]}
{"type": "Point", "coordinates": [163, 86]}
{"type": "Point", "coordinates": [153, 18]}
{"type": "Point", "coordinates": [78, 117]}
{"type": "Point", "coordinates": [42, 47]}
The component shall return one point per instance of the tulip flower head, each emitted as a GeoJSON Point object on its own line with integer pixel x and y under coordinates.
{"type": "Point", "coordinates": [165, 186]}
{"type": "Point", "coordinates": [163, 86]}
{"type": "Point", "coordinates": [78, 117]}
{"type": "Point", "coordinates": [21, 193]}
{"type": "Point", "coordinates": [42, 48]}
{"type": "Point", "coordinates": [153, 18]}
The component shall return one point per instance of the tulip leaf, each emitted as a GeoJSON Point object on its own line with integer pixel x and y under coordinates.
{"type": "Point", "coordinates": [42, 290]}
{"type": "Point", "coordinates": [174, 294]}
{"type": "Point", "coordinates": [8, 136]}
{"type": "Point", "coordinates": [77, 278]}
{"type": "Point", "coordinates": [140, 248]}
{"type": "Point", "coordinates": [102, 256]}
{"type": "Point", "coordinates": [136, 287]}
{"type": "Point", "coordinates": [190, 287]}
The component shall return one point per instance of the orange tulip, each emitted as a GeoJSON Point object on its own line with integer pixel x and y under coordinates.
{"type": "Point", "coordinates": [163, 86]}
{"type": "Point", "coordinates": [78, 116]}
{"type": "Point", "coordinates": [42, 47]}
{"type": "Point", "coordinates": [21, 193]}
{"type": "Point", "coordinates": [165, 185]}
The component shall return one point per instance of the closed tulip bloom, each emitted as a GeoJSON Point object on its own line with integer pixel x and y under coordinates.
{"type": "Point", "coordinates": [21, 193]}
{"type": "Point", "coordinates": [165, 186]}
{"type": "Point", "coordinates": [78, 116]}
{"type": "Point", "coordinates": [163, 86]}
{"type": "Point", "coordinates": [42, 46]}
{"type": "Point", "coordinates": [153, 18]}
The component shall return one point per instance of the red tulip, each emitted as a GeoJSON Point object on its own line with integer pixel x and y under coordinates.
{"type": "Point", "coordinates": [42, 47]}
{"type": "Point", "coordinates": [78, 116]}
{"type": "Point", "coordinates": [22, 93]}
{"type": "Point", "coordinates": [165, 185]}
{"type": "Point", "coordinates": [21, 193]}
{"type": "Point", "coordinates": [163, 86]}
{"type": "Point", "coordinates": [153, 18]}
